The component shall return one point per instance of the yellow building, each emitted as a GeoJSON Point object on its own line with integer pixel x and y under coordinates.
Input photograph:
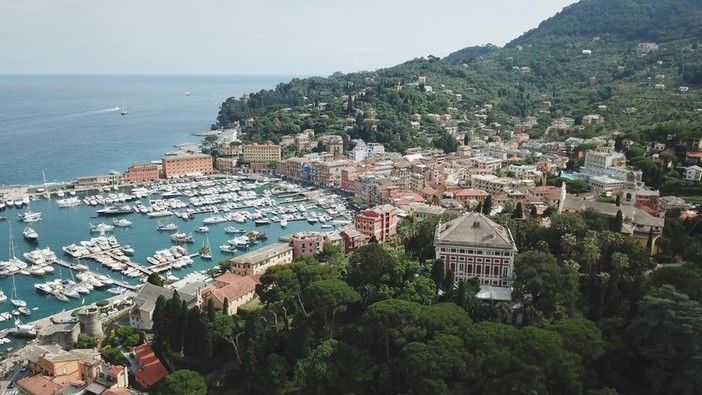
{"type": "Point", "coordinates": [259, 261]}
{"type": "Point", "coordinates": [261, 153]}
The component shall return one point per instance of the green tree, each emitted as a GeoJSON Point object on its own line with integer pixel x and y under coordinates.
{"type": "Point", "coordinates": [533, 213]}
{"type": "Point", "coordinates": [541, 281]}
{"type": "Point", "coordinates": [438, 272]}
{"type": "Point", "coordinates": [330, 297]}
{"type": "Point", "coordinates": [333, 367]}
{"type": "Point", "coordinates": [617, 222]}
{"type": "Point", "coordinates": [225, 306]}
{"type": "Point", "coordinates": [449, 282]}
{"type": "Point", "coordinates": [667, 336]}
{"type": "Point", "coordinates": [160, 319]}
{"type": "Point", "coordinates": [155, 279]}
{"type": "Point", "coordinates": [211, 311]}
{"type": "Point", "coordinates": [368, 269]}
{"type": "Point", "coordinates": [390, 323]}
{"type": "Point", "coordinates": [183, 382]}
{"type": "Point", "coordinates": [487, 205]}
{"type": "Point", "coordinates": [518, 211]}
{"type": "Point", "coordinates": [618, 201]}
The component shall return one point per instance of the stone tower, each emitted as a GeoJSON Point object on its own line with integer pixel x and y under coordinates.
{"type": "Point", "coordinates": [90, 323]}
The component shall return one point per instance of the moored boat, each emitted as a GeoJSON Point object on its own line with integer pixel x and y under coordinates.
{"type": "Point", "coordinates": [122, 222]}
{"type": "Point", "coordinates": [30, 234]}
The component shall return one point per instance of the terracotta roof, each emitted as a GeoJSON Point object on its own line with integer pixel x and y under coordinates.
{"type": "Point", "coordinates": [229, 278]}
{"type": "Point", "coordinates": [234, 291]}
{"type": "Point", "coordinates": [152, 370]}
{"type": "Point", "coordinates": [470, 192]}
{"type": "Point", "coordinates": [429, 191]}
{"type": "Point", "coordinates": [116, 370]}
{"type": "Point", "coordinates": [38, 385]}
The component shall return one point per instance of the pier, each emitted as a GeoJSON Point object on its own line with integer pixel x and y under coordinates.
{"type": "Point", "coordinates": [75, 267]}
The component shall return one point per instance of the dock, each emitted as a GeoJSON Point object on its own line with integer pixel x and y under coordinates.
{"type": "Point", "coordinates": [72, 266]}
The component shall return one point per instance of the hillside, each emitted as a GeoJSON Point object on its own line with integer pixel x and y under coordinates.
{"type": "Point", "coordinates": [635, 62]}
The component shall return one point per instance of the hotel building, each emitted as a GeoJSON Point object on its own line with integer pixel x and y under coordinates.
{"type": "Point", "coordinates": [180, 165]}
{"type": "Point", "coordinates": [261, 153]}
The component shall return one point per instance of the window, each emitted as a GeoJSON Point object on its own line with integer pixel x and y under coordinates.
{"type": "Point", "coordinates": [453, 267]}
{"type": "Point", "coordinates": [453, 250]}
{"type": "Point", "coordinates": [479, 260]}
{"type": "Point", "coordinates": [462, 251]}
{"type": "Point", "coordinates": [495, 270]}
{"type": "Point", "coordinates": [460, 268]}
{"type": "Point", "coordinates": [462, 258]}
{"type": "Point", "coordinates": [469, 269]}
{"type": "Point", "coordinates": [488, 260]}
{"type": "Point", "coordinates": [470, 259]}
{"type": "Point", "coordinates": [505, 271]}
{"type": "Point", "coordinates": [487, 270]}
{"type": "Point", "coordinates": [478, 269]}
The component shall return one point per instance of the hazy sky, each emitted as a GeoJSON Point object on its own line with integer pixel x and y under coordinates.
{"type": "Point", "coordinates": [292, 37]}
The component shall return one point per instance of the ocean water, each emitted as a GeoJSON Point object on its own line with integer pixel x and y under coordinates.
{"type": "Point", "coordinates": [68, 127]}
{"type": "Point", "coordinates": [71, 126]}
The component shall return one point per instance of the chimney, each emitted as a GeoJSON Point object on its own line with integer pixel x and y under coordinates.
{"type": "Point", "coordinates": [476, 224]}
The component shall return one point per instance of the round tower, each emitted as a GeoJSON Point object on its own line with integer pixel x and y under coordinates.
{"type": "Point", "coordinates": [90, 323]}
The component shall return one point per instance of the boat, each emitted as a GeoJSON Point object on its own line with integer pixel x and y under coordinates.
{"type": "Point", "coordinates": [3, 297]}
{"type": "Point", "coordinates": [114, 210]}
{"type": "Point", "coordinates": [262, 221]}
{"type": "Point", "coordinates": [181, 237]}
{"type": "Point", "coordinates": [71, 293]}
{"type": "Point", "coordinates": [68, 202]}
{"type": "Point", "coordinates": [43, 288]}
{"type": "Point", "coordinates": [37, 270]}
{"type": "Point", "coordinates": [122, 222]}
{"type": "Point", "coordinates": [203, 229]}
{"type": "Point", "coordinates": [312, 220]}
{"type": "Point", "coordinates": [100, 228]}
{"type": "Point", "coordinates": [240, 242]}
{"type": "Point", "coordinates": [124, 110]}
{"type": "Point", "coordinates": [216, 219]}
{"type": "Point", "coordinates": [15, 299]}
{"type": "Point", "coordinates": [24, 310]}
{"type": "Point", "coordinates": [234, 229]}
{"type": "Point", "coordinates": [159, 213]}
{"type": "Point", "coordinates": [327, 226]}
{"type": "Point", "coordinates": [127, 250]}
{"type": "Point", "coordinates": [167, 227]}
{"type": "Point", "coordinates": [58, 295]}
{"type": "Point", "coordinates": [283, 223]}
{"type": "Point", "coordinates": [227, 248]}
{"type": "Point", "coordinates": [29, 216]}
{"type": "Point", "coordinates": [30, 234]}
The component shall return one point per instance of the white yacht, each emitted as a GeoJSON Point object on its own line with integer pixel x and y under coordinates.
{"type": "Point", "coordinates": [202, 229]}
{"type": "Point", "coordinates": [68, 202]}
{"type": "Point", "coordinates": [100, 228]}
{"type": "Point", "coordinates": [30, 234]}
{"type": "Point", "coordinates": [214, 220]}
{"type": "Point", "coordinates": [167, 227]}
{"type": "Point", "coordinates": [29, 216]}
{"type": "Point", "coordinates": [122, 222]}
{"type": "Point", "coordinates": [283, 223]}
{"type": "Point", "coordinates": [159, 213]}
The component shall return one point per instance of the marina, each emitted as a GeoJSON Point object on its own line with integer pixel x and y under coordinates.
{"type": "Point", "coordinates": [239, 215]}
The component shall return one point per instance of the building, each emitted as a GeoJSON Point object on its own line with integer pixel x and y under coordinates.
{"type": "Point", "coordinates": [235, 289]}
{"type": "Point", "coordinates": [259, 261]}
{"type": "Point", "coordinates": [261, 153]}
{"type": "Point", "coordinates": [492, 184]}
{"type": "Point", "coordinates": [474, 246]}
{"type": "Point", "coordinates": [306, 243]}
{"type": "Point", "coordinates": [379, 222]}
{"type": "Point", "coordinates": [143, 172]}
{"type": "Point", "coordinates": [421, 212]}
{"type": "Point", "coordinates": [693, 173]}
{"type": "Point", "coordinates": [145, 302]}
{"type": "Point", "coordinates": [180, 165]}
{"type": "Point", "coordinates": [353, 240]}
{"type": "Point", "coordinates": [63, 334]}
{"type": "Point", "coordinates": [467, 196]}
{"type": "Point", "coordinates": [52, 360]}
{"type": "Point", "coordinates": [151, 370]}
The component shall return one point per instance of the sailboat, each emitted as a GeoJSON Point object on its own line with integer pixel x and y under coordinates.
{"type": "Point", "coordinates": [47, 194]}
{"type": "Point", "coordinates": [124, 109]}
{"type": "Point", "coordinates": [15, 300]}
{"type": "Point", "coordinates": [206, 251]}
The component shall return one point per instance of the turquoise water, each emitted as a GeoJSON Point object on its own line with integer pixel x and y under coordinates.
{"type": "Point", "coordinates": [64, 226]}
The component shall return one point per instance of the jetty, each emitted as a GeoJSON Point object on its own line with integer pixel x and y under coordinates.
{"type": "Point", "coordinates": [76, 268]}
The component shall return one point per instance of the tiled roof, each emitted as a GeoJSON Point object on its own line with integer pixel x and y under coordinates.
{"type": "Point", "coordinates": [152, 370]}
{"type": "Point", "coordinates": [474, 229]}
{"type": "Point", "coordinates": [234, 290]}
{"type": "Point", "coordinates": [38, 384]}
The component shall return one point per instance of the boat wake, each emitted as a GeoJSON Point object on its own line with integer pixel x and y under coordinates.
{"type": "Point", "coordinates": [113, 109]}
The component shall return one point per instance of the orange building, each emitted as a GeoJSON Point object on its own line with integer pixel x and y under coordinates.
{"type": "Point", "coordinates": [151, 370]}
{"type": "Point", "coordinates": [353, 240]}
{"type": "Point", "coordinates": [142, 172]}
{"type": "Point", "coordinates": [380, 221]}
{"type": "Point", "coordinates": [78, 364]}
{"type": "Point", "coordinates": [180, 165]}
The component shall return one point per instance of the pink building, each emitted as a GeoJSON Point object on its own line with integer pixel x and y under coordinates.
{"type": "Point", "coordinates": [142, 172]}
{"type": "Point", "coordinates": [179, 165]}
{"type": "Point", "coordinates": [306, 243]}
{"type": "Point", "coordinates": [353, 240]}
{"type": "Point", "coordinates": [380, 221]}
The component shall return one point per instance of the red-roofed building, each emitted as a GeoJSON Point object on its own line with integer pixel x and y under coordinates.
{"type": "Point", "coordinates": [379, 222]}
{"type": "Point", "coordinates": [152, 370]}
{"type": "Point", "coordinates": [467, 195]}
{"type": "Point", "coordinates": [238, 290]}
{"type": "Point", "coordinates": [353, 240]}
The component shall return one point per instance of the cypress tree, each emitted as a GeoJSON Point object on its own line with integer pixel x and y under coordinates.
{"type": "Point", "coordinates": [211, 312]}
{"type": "Point", "coordinates": [533, 213]}
{"type": "Point", "coordinates": [438, 272]}
{"type": "Point", "coordinates": [479, 207]}
{"type": "Point", "coordinates": [155, 279]}
{"type": "Point", "coordinates": [617, 222]}
{"type": "Point", "coordinates": [518, 211]}
{"type": "Point", "coordinates": [349, 105]}
{"type": "Point", "coordinates": [618, 201]}
{"type": "Point", "coordinates": [204, 340]}
{"type": "Point", "coordinates": [190, 342]}
{"type": "Point", "coordinates": [487, 206]}
{"type": "Point", "coordinates": [447, 286]}
{"type": "Point", "coordinates": [225, 306]}
{"type": "Point", "coordinates": [649, 242]}
{"type": "Point", "coordinates": [461, 294]}
{"type": "Point", "coordinates": [159, 318]}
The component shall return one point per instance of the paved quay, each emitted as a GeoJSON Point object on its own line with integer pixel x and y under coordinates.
{"type": "Point", "coordinates": [18, 356]}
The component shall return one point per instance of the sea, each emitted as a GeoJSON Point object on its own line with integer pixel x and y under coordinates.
{"type": "Point", "coordinates": [70, 126]}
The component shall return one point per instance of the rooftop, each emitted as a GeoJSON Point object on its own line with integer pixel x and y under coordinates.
{"type": "Point", "coordinates": [263, 253]}
{"type": "Point", "coordinates": [474, 229]}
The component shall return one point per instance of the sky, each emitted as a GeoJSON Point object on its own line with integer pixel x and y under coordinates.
{"type": "Point", "coordinates": [273, 37]}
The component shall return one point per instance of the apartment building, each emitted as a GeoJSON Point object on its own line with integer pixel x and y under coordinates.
{"type": "Point", "coordinates": [260, 260]}
{"type": "Point", "coordinates": [180, 165]}
{"type": "Point", "coordinates": [379, 222]}
{"type": "Point", "coordinates": [261, 153]}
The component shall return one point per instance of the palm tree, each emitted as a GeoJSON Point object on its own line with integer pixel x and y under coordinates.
{"type": "Point", "coordinates": [204, 251]}
{"type": "Point", "coordinates": [504, 312]}
{"type": "Point", "coordinates": [568, 244]}
{"type": "Point", "coordinates": [590, 253]}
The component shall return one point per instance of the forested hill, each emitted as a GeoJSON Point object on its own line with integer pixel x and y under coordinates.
{"type": "Point", "coordinates": [635, 62]}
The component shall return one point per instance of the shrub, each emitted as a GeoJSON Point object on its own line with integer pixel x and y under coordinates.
{"type": "Point", "coordinates": [102, 303]}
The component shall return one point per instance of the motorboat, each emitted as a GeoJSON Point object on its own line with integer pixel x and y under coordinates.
{"type": "Point", "coordinates": [75, 251]}
{"type": "Point", "coordinates": [3, 297]}
{"type": "Point", "coordinates": [216, 219]}
{"type": "Point", "coordinates": [43, 288]}
{"type": "Point", "coordinates": [37, 270]}
{"type": "Point", "coordinates": [283, 223]}
{"type": "Point", "coordinates": [203, 229]}
{"type": "Point", "coordinates": [71, 293]}
{"type": "Point", "coordinates": [234, 229]}
{"type": "Point", "coordinates": [312, 220]}
{"type": "Point", "coordinates": [24, 310]}
{"type": "Point", "coordinates": [262, 221]}
{"type": "Point", "coordinates": [181, 237]}
{"type": "Point", "coordinates": [114, 210]}
{"type": "Point", "coordinates": [122, 222]}
{"type": "Point", "coordinates": [167, 227]}
{"type": "Point", "coordinates": [68, 202]}
{"type": "Point", "coordinates": [227, 248]}
{"type": "Point", "coordinates": [29, 216]}
{"type": "Point", "coordinates": [240, 242]}
{"type": "Point", "coordinates": [30, 234]}
{"type": "Point", "coordinates": [100, 228]}
{"type": "Point", "coordinates": [159, 213]}
{"type": "Point", "coordinates": [60, 296]}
